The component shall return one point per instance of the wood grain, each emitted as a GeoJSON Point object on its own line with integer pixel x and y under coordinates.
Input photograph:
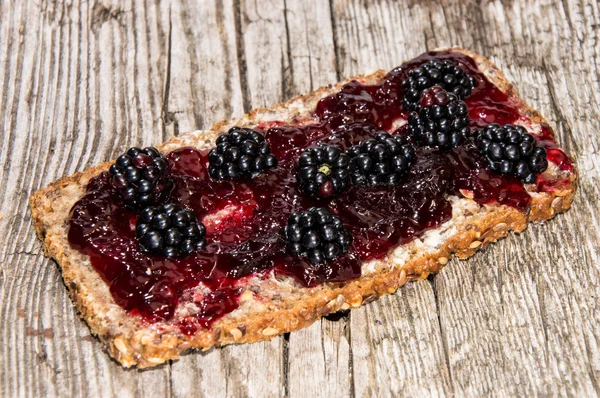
{"type": "Point", "coordinates": [82, 80]}
{"type": "Point", "coordinates": [209, 78]}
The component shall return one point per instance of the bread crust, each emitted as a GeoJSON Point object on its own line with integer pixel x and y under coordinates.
{"type": "Point", "coordinates": [131, 341]}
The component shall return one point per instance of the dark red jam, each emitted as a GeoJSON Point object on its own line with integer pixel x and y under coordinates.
{"type": "Point", "coordinates": [244, 218]}
{"type": "Point", "coordinates": [555, 154]}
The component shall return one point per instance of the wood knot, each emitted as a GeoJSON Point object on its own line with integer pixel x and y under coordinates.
{"type": "Point", "coordinates": [102, 13]}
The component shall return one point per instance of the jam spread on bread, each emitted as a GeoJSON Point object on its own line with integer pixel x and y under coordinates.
{"type": "Point", "coordinates": [252, 226]}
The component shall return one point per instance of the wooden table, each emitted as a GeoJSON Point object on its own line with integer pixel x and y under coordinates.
{"type": "Point", "coordinates": [80, 81]}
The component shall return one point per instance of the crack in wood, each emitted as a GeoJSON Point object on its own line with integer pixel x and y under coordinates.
{"type": "Point", "coordinates": [338, 68]}
{"type": "Point", "coordinates": [220, 19]}
{"type": "Point", "coordinates": [241, 55]}
{"type": "Point", "coordinates": [168, 117]}
{"type": "Point", "coordinates": [444, 339]}
{"type": "Point", "coordinates": [285, 354]}
{"type": "Point", "coordinates": [287, 86]}
{"type": "Point", "coordinates": [351, 375]}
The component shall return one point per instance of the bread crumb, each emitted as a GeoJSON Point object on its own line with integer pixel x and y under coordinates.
{"type": "Point", "coordinates": [120, 345]}
{"type": "Point", "coordinates": [500, 226]}
{"type": "Point", "coordinates": [403, 278]}
{"type": "Point", "coordinates": [475, 244]}
{"type": "Point", "coordinates": [270, 332]}
{"type": "Point", "coordinates": [467, 193]}
{"type": "Point", "coordinates": [236, 333]}
{"type": "Point", "coordinates": [246, 296]}
{"type": "Point", "coordinates": [557, 203]}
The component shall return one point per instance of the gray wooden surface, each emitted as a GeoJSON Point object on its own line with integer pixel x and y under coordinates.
{"type": "Point", "coordinates": [80, 81]}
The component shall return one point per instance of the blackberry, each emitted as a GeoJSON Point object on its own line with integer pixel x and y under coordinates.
{"type": "Point", "coordinates": [511, 150]}
{"type": "Point", "coordinates": [317, 235]}
{"type": "Point", "coordinates": [380, 160]}
{"type": "Point", "coordinates": [240, 153]}
{"type": "Point", "coordinates": [445, 74]}
{"type": "Point", "coordinates": [169, 230]}
{"type": "Point", "coordinates": [323, 171]}
{"type": "Point", "coordinates": [442, 120]}
{"type": "Point", "coordinates": [142, 177]}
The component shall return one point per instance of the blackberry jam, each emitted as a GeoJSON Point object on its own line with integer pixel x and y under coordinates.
{"type": "Point", "coordinates": [244, 218]}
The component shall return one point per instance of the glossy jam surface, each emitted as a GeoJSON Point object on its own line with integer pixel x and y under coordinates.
{"type": "Point", "coordinates": [244, 218]}
{"type": "Point", "coordinates": [555, 154]}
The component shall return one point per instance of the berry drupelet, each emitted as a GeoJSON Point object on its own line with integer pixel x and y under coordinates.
{"type": "Point", "coordinates": [142, 177]}
{"type": "Point", "coordinates": [240, 153]}
{"type": "Point", "coordinates": [380, 160]}
{"type": "Point", "coordinates": [317, 235]}
{"type": "Point", "coordinates": [442, 120]}
{"type": "Point", "coordinates": [511, 150]}
{"type": "Point", "coordinates": [445, 74]}
{"type": "Point", "coordinates": [323, 171]}
{"type": "Point", "coordinates": [169, 230]}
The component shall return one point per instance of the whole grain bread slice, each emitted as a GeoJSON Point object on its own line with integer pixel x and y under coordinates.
{"type": "Point", "coordinates": [274, 305]}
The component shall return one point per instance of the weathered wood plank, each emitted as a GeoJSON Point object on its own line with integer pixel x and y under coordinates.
{"type": "Point", "coordinates": [204, 75]}
{"type": "Point", "coordinates": [320, 353]}
{"type": "Point", "coordinates": [320, 360]}
{"type": "Point", "coordinates": [208, 72]}
{"type": "Point", "coordinates": [509, 322]}
{"type": "Point", "coordinates": [397, 346]}
{"type": "Point", "coordinates": [78, 87]}
{"type": "Point", "coordinates": [397, 342]}
{"type": "Point", "coordinates": [531, 299]}
{"type": "Point", "coordinates": [295, 68]}
{"type": "Point", "coordinates": [81, 81]}
{"type": "Point", "coordinates": [265, 52]}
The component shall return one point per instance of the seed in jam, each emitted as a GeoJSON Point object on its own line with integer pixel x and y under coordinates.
{"type": "Point", "coordinates": [240, 153]}
{"type": "Point", "coordinates": [442, 120]}
{"type": "Point", "coordinates": [445, 74]}
{"type": "Point", "coordinates": [323, 171]}
{"type": "Point", "coordinates": [511, 150]}
{"type": "Point", "coordinates": [384, 159]}
{"type": "Point", "coordinates": [141, 176]}
{"type": "Point", "coordinates": [316, 234]}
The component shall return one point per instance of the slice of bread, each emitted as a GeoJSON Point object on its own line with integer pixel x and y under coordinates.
{"type": "Point", "coordinates": [274, 305]}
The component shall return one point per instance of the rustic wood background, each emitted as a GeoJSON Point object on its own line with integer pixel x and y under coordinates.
{"type": "Point", "coordinates": [83, 80]}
